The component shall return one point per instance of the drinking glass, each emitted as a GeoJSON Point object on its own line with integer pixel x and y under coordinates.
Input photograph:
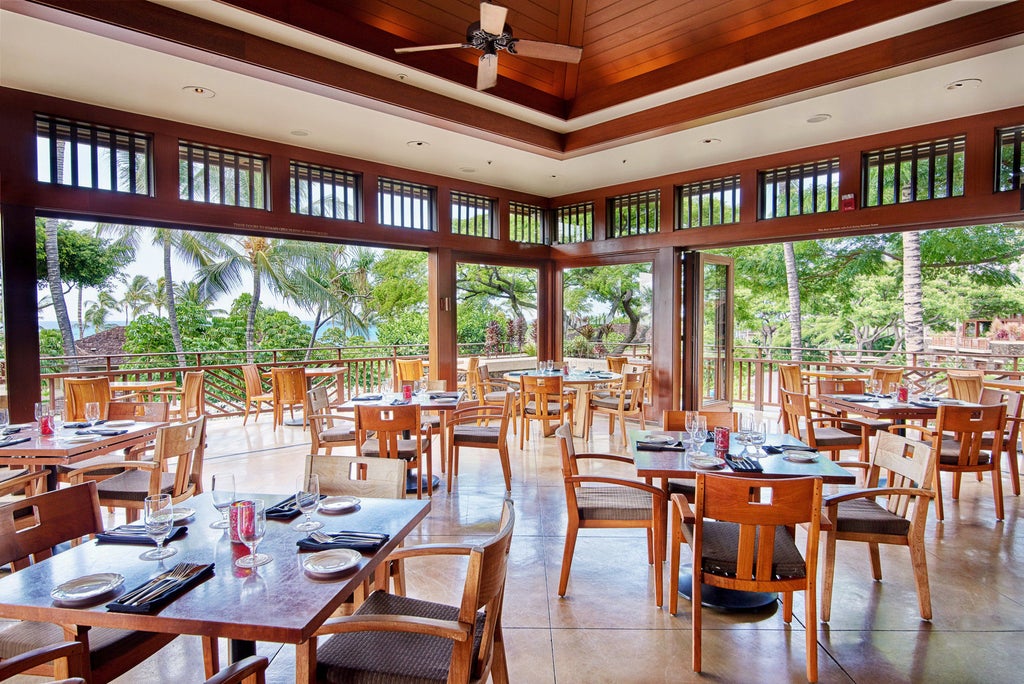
{"type": "Point", "coordinates": [747, 425]}
{"type": "Point", "coordinates": [3, 418]}
{"type": "Point", "coordinates": [699, 433]}
{"type": "Point", "coordinates": [251, 525]}
{"type": "Point", "coordinates": [159, 518]}
{"type": "Point", "coordinates": [92, 412]}
{"type": "Point", "coordinates": [307, 498]}
{"type": "Point", "coordinates": [690, 423]}
{"type": "Point", "coordinates": [757, 437]}
{"type": "Point", "coordinates": [223, 492]}
{"type": "Point", "coordinates": [39, 410]}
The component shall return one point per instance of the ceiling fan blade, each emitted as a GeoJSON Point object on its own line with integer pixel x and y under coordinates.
{"type": "Point", "coordinates": [492, 18]}
{"type": "Point", "coordinates": [552, 51]}
{"type": "Point", "coordinates": [487, 72]}
{"type": "Point", "coordinates": [425, 48]}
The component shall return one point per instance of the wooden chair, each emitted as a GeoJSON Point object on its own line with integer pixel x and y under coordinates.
{"type": "Point", "coordinates": [395, 638]}
{"type": "Point", "coordinates": [254, 393]}
{"type": "Point", "coordinates": [189, 400]}
{"type": "Point", "coordinates": [408, 370]}
{"type": "Point", "coordinates": [965, 385]}
{"type": "Point", "coordinates": [543, 399]}
{"type": "Point", "coordinates": [142, 411]}
{"type": "Point", "coordinates": [184, 442]}
{"type": "Point", "coordinates": [742, 538]}
{"type": "Point", "coordinates": [289, 390]}
{"type": "Point", "coordinates": [957, 443]}
{"type": "Point", "coordinates": [327, 429]}
{"type": "Point", "coordinates": [850, 386]}
{"type": "Point", "coordinates": [470, 427]}
{"type": "Point", "coordinates": [600, 501]}
{"type": "Point", "coordinates": [1011, 435]}
{"type": "Point", "coordinates": [80, 391]}
{"type": "Point", "coordinates": [22, 480]}
{"type": "Point", "coordinates": [66, 658]}
{"type": "Point", "coordinates": [887, 377]}
{"type": "Point", "coordinates": [791, 378]}
{"type": "Point", "coordinates": [907, 468]}
{"type": "Point", "coordinates": [491, 392]}
{"type": "Point", "coordinates": [398, 434]}
{"type": "Point", "coordinates": [823, 433]}
{"type": "Point", "coordinates": [618, 403]}
{"type": "Point", "coordinates": [615, 363]}
{"type": "Point", "coordinates": [468, 385]}
{"type": "Point", "coordinates": [249, 670]}
{"type": "Point", "coordinates": [675, 421]}
{"type": "Point", "coordinates": [61, 516]}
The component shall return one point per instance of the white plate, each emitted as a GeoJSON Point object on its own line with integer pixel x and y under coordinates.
{"type": "Point", "coordinates": [119, 423]}
{"type": "Point", "coordinates": [331, 562]}
{"type": "Point", "coordinates": [81, 439]}
{"type": "Point", "coordinates": [445, 400]}
{"type": "Point", "coordinates": [338, 504]}
{"type": "Point", "coordinates": [183, 514]}
{"type": "Point", "coordinates": [801, 457]}
{"type": "Point", "coordinates": [706, 461]}
{"type": "Point", "coordinates": [660, 439]}
{"type": "Point", "coordinates": [84, 589]}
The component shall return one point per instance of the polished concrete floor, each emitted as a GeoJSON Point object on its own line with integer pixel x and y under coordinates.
{"type": "Point", "coordinates": [607, 628]}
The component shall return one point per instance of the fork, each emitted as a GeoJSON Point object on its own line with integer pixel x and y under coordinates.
{"type": "Point", "coordinates": [318, 536]}
{"type": "Point", "coordinates": [179, 572]}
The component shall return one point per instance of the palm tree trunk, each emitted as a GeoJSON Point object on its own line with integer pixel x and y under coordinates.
{"type": "Point", "coordinates": [913, 308]}
{"type": "Point", "coordinates": [250, 322]}
{"type": "Point", "coordinates": [172, 311]}
{"type": "Point", "coordinates": [81, 322]}
{"type": "Point", "coordinates": [53, 279]}
{"type": "Point", "coordinates": [793, 286]}
{"type": "Point", "coordinates": [316, 328]}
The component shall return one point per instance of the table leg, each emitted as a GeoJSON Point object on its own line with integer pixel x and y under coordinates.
{"type": "Point", "coordinates": [240, 649]}
{"type": "Point", "coordinates": [726, 600]}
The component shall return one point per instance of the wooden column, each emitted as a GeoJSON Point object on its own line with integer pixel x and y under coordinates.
{"type": "Point", "coordinates": [666, 305]}
{"type": "Point", "coordinates": [21, 318]}
{"type": "Point", "coordinates": [444, 351]}
{"type": "Point", "coordinates": [691, 351]}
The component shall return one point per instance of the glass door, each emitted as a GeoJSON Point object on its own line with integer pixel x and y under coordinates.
{"type": "Point", "coordinates": [716, 330]}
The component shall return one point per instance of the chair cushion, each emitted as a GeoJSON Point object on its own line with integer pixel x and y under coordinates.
{"type": "Point", "coordinates": [406, 448]}
{"type": "Point", "coordinates": [339, 433]}
{"type": "Point", "coordinates": [873, 424]}
{"type": "Point", "coordinates": [830, 436]}
{"type": "Point", "coordinates": [496, 397]}
{"type": "Point", "coordinates": [950, 454]}
{"type": "Point", "coordinates": [863, 515]}
{"type": "Point", "coordinates": [610, 402]}
{"type": "Point", "coordinates": [687, 488]}
{"type": "Point", "coordinates": [382, 657]}
{"type": "Point", "coordinates": [553, 408]}
{"type": "Point", "coordinates": [476, 433]}
{"type": "Point", "coordinates": [20, 637]}
{"type": "Point", "coordinates": [133, 485]}
{"type": "Point", "coordinates": [613, 503]}
{"type": "Point", "coordinates": [99, 460]}
{"type": "Point", "coordinates": [720, 545]}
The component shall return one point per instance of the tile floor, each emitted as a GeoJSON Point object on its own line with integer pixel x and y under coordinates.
{"type": "Point", "coordinates": [607, 628]}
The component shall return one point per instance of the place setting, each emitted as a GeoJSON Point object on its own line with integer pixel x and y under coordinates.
{"type": "Point", "coordinates": [158, 591]}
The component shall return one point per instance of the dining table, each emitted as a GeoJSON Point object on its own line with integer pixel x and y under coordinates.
{"type": "Point", "coordinates": [885, 408]}
{"type": "Point", "coordinates": [659, 454]}
{"type": "Point", "coordinates": [143, 389]}
{"type": "Point", "coordinates": [583, 380]}
{"type": "Point", "coordinates": [70, 444]}
{"type": "Point", "coordinates": [278, 602]}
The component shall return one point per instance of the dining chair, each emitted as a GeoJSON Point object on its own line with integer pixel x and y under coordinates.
{"type": "Point", "coordinates": [887, 377]}
{"type": "Point", "coordinates": [602, 501]}
{"type": "Point", "coordinates": [615, 363]}
{"type": "Point", "coordinates": [62, 516]}
{"type": "Point", "coordinates": [471, 427]}
{"type": "Point", "coordinates": [1011, 435]}
{"type": "Point", "coordinates": [468, 384]}
{"type": "Point", "coordinates": [394, 638]}
{"type": "Point", "coordinates": [326, 428]}
{"type": "Point", "coordinates": [189, 400]}
{"type": "Point", "coordinates": [626, 400]}
{"type": "Point", "coordinates": [408, 370]}
{"type": "Point", "coordinates": [900, 472]}
{"type": "Point", "coordinates": [65, 658]}
{"type": "Point", "coordinates": [184, 443]}
{"type": "Point", "coordinates": [742, 537]}
{"type": "Point", "coordinates": [823, 433]}
{"type": "Point", "coordinates": [791, 377]}
{"type": "Point", "coordinates": [254, 393]}
{"type": "Point", "coordinates": [249, 670]}
{"type": "Point", "coordinates": [543, 399]}
{"type": "Point", "coordinates": [398, 433]}
{"type": "Point", "coordinates": [965, 385]}
{"type": "Point", "coordinates": [850, 386]}
{"type": "Point", "coordinates": [957, 443]}
{"type": "Point", "coordinates": [491, 392]}
{"type": "Point", "coordinates": [675, 421]}
{"type": "Point", "coordinates": [142, 411]}
{"type": "Point", "coordinates": [80, 391]}
{"type": "Point", "coordinates": [22, 480]}
{"type": "Point", "coordinates": [289, 390]}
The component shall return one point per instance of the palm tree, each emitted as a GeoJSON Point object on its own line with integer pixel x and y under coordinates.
{"type": "Point", "coordinates": [793, 286]}
{"type": "Point", "coordinates": [53, 279]}
{"type": "Point", "coordinates": [340, 276]}
{"type": "Point", "coordinates": [137, 297]}
{"type": "Point", "coordinates": [913, 300]}
{"type": "Point", "coordinates": [96, 312]}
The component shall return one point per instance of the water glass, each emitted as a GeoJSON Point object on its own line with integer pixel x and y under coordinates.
{"type": "Point", "coordinates": [307, 498]}
{"type": "Point", "coordinates": [223, 493]}
{"type": "Point", "coordinates": [251, 526]}
{"type": "Point", "coordinates": [699, 433]}
{"type": "Point", "coordinates": [158, 515]}
{"type": "Point", "coordinates": [4, 419]}
{"type": "Point", "coordinates": [92, 412]}
{"type": "Point", "coordinates": [757, 437]}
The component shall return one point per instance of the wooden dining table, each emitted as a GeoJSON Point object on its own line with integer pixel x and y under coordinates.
{"type": "Point", "coordinates": [60, 449]}
{"type": "Point", "coordinates": [882, 408]}
{"type": "Point", "coordinates": [584, 380]}
{"type": "Point", "coordinates": [278, 602]}
{"type": "Point", "coordinates": [120, 389]}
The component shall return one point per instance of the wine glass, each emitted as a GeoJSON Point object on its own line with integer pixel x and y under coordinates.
{"type": "Point", "coordinates": [159, 518]}
{"type": "Point", "coordinates": [251, 525]}
{"type": "Point", "coordinates": [699, 432]}
{"type": "Point", "coordinates": [757, 437]}
{"type": "Point", "coordinates": [747, 426]}
{"type": "Point", "coordinates": [690, 422]}
{"type": "Point", "coordinates": [223, 492]}
{"type": "Point", "coordinates": [307, 498]}
{"type": "Point", "coordinates": [92, 412]}
{"type": "Point", "coordinates": [3, 419]}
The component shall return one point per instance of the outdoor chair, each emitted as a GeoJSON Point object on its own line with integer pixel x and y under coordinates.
{"type": "Point", "coordinates": [65, 658]}
{"type": "Point", "coordinates": [395, 638]}
{"type": "Point", "coordinates": [409, 370]}
{"type": "Point", "coordinates": [850, 386]}
{"type": "Point", "coordinates": [62, 516]}
{"type": "Point", "coordinates": [254, 393]}
{"type": "Point", "coordinates": [957, 443]}
{"type": "Point", "coordinates": [328, 430]}
{"type": "Point", "coordinates": [618, 402]}
{"type": "Point", "coordinates": [1011, 434]}
{"type": "Point", "coordinates": [615, 363]}
{"type": "Point", "coordinates": [398, 433]}
{"type": "Point", "coordinates": [675, 421]}
{"type": "Point", "coordinates": [823, 433]}
{"type": "Point", "coordinates": [189, 400]}
{"type": "Point", "coordinates": [965, 385]}
{"type": "Point", "coordinates": [601, 501]}
{"type": "Point", "coordinates": [471, 427]}
{"type": "Point", "coordinates": [184, 443]}
{"type": "Point", "coordinates": [289, 390]}
{"type": "Point", "coordinates": [543, 399]}
{"type": "Point", "coordinates": [80, 391]}
{"type": "Point", "coordinates": [468, 384]}
{"type": "Point", "coordinates": [887, 377]}
{"type": "Point", "coordinates": [742, 537]}
{"type": "Point", "coordinates": [900, 472]}
{"type": "Point", "coordinates": [491, 392]}
{"type": "Point", "coordinates": [22, 480]}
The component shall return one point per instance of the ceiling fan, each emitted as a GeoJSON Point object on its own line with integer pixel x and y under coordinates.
{"type": "Point", "coordinates": [491, 34]}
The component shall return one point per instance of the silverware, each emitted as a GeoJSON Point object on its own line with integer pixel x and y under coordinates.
{"type": "Point", "coordinates": [324, 538]}
{"type": "Point", "coordinates": [156, 585]}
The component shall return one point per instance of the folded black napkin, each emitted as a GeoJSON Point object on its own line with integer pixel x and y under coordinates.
{"type": "Point", "coordinates": [399, 402]}
{"type": "Point", "coordinates": [444, 395]}
{"type": "Point", "coordinates": [659, 446]}
{"type": "Point", "coordinates": [15, 440]}
{"type": "Point", "coordinates": [160, 600]}
{"type": "Point", "coordinates": [136, 534]}
{"type": "Point", "coordinates": [769, 449]}
{"type": "Point", "coordinates": [102, 433]}
{"type": "Point", "coordinates": [357, 541]}
{"type": "Point", "coordinates": [70, 426]}
{"type": "Point", "coordinates": [285, 509]}
{"type": "Point", "coordinates": [368, 397]}
{"type": "Point", "coordinates": [11, 430]}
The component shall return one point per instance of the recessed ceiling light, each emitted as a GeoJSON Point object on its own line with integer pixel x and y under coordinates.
{"type": "Point", "coordinates": [964, 84]}
{"type": "Point", "coordinates": [418, 143]}
{"type": "Point", "coordinates": [467, 169]}
{"type": "Point", "coordinates": [711, 141]}
{"type": "Point", "coordinates": [401, 77]}
{"type": "Point", "coordinates": [818, 118]}
{"type": "Point", "coordinates": [199, 91]}
{"type": "Point", "coordinates": [300, 132]}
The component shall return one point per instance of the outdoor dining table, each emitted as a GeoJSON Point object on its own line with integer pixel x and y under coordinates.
{"type": "Point", "coordinates": [665, 464]}
{"type": "Point", "coordinates": [59, 449]}
{"type": "Point", "coordinates": [884, 408]}
{"type": "Point", "coordinates": [142, 388]}
{"type": "Point", "coordinates": [277, 602]}
{"type": "Point", "coordinates": [584, 380]}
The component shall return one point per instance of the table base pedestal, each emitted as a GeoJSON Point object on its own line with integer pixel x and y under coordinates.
{"type": "Point", "coordinates": [410, 483]}
{"type": "Point", "coordinates": [726, 600]}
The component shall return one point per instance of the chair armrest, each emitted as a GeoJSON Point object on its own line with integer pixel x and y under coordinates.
{"type": "Point", "coordinates": [473, 413]}
{"type": "Point", "coordinates": [853, 464]}
{"type": "Point", "coordinates": [604, 457]}
{"type": "Point", "coordinates": [422, 550]}
{"type": "Point", "coordinates": [75, 476]}
{"type": "Point", "coordinates": [926, 433]}
{"type": "Point", "coordinates": [841, 420]}
{"type": "Point", "coordinates": [834, 499]}
{"type": "Point", "coordinates": [71, 650]}
{"type": "Point", "coordinates": [447, 629]}
{"type": "Point", "coordinates": [35, 481]}
{"type": "Point", "coordinates": [238, 672]}
{"type": "Point", "coordinates": [657, 492]}
{"type": "Point", "coordinates": [686, 513]}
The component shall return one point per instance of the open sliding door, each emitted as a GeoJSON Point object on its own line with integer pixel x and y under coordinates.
{"type": "Point", "coordinates": [716, 330]}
